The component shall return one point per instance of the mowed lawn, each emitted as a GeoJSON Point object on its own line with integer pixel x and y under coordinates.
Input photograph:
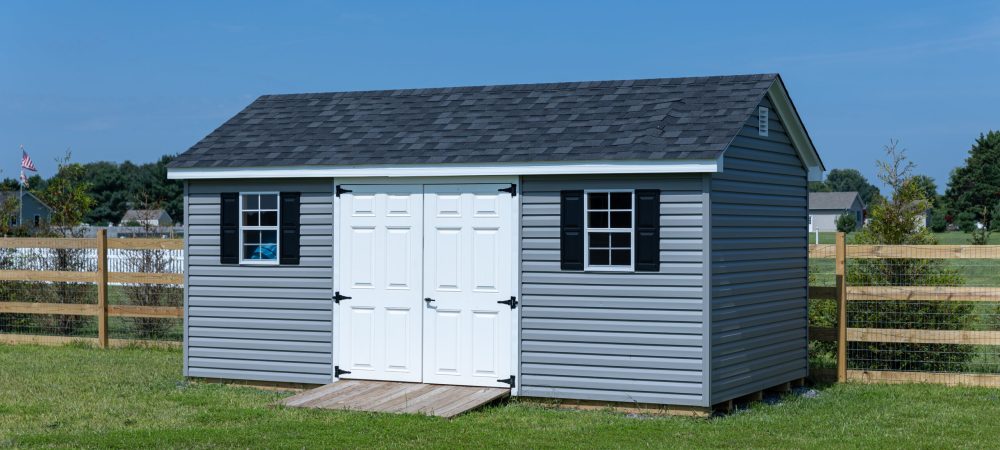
{"type": "Point", "coordinates": [136, 398]}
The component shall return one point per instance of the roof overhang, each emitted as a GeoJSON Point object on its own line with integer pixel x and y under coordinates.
{"type": "Point", "coordinates": [453, 170]}
{"type": "Point", "coordinates": [796, 130]}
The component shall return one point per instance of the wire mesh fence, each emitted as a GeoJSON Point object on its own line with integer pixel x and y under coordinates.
{"type": "Point", "coordinates": [57, 290]}
{"type": "Point", "coordinates": [914, 313]}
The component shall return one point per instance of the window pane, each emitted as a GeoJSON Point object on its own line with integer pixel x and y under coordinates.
{"type": "Point", "coordinates": [597, 219]}
{"type": "Point", "coordinates": [599, 240]}
{"type": "Point", "coordinates": [269, 237]}
{"type": "Point", "coordinates": [260, 252]}
{"type": "Point", "coordinates": [621, 219]}
{"type": "Point", "coordinates": [621, 240]}
{"type": "Point", "coordinates": [251, 219]}
{"type": "Point", "coordinates": [597, 200]}
{"type": "Point", "coordinates": [621, 257]}
{"type": "Point", "coordinates": [251, 237]}
{"type": "Point", "coordinates": [269, 218]}
{"type": "Point", "coordinates": [598, 257]}
{"type": "Point", "coordinates": [621, 200]}
{"type": "Point", "coordinates": [269, 201]}
{"type": "Point", "coordinates": [250, 201]}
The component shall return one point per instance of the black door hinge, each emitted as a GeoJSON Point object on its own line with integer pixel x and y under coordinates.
{"type": "Point", "coordinates": [341, 190]}
{"type": "Point", "coordinates": [337, 371]}
{"type": "Point", "coordinates": [509, 381]}
{"type": "Point", "coordinates": [512, 190]}
{"type": "Point", "coordinates": [512, 302]}
{"type": "Point", "coordinates": [337, 297]}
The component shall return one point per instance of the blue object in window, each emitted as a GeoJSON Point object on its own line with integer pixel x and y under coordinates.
{"type": "Point", "coordinates": [265, 252]}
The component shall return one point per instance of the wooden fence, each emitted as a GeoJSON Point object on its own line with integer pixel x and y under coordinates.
{"type": "Point", "coordinates": [843, 293]}
{"type": "Point", "coordinates": [102, 277]}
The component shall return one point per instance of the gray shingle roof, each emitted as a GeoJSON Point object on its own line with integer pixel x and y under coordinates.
{"type": "Point", "coordinates": [832, 200]}
{"type": "Point", "coordinates": [655, 119]}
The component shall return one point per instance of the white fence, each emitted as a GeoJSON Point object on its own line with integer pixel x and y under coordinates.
{"type": "Point", "coordinates": [119, 260]}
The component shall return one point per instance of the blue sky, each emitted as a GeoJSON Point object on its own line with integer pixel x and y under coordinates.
{"type": "Point", "coordinates": [135, 80]}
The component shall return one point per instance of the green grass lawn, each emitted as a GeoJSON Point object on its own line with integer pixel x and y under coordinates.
{"type": "Point", "coordinates": [135, 398]}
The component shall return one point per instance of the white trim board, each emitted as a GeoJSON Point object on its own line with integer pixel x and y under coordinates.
{"type": "Point", "coordinates": [453, 170]}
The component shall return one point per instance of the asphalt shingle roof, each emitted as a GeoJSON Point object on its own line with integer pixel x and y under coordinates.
{"type": "Point", "coordinates": [654, 119]}
{"type": "Point", "coordinates": [832, 200]}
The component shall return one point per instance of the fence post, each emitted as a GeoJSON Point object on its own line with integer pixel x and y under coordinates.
{"type": "Point", "coordinates": [102, 288]}
{"type": "Point", "coordinates": [841, 308]}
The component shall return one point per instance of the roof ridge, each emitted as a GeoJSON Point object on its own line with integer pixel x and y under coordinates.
{"type": "Point", "coordinates": [556, 85]}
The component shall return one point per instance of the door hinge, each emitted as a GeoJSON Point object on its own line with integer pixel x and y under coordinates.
{"type": "Point", "coordinates": [341, 190]}
{"type": "Point", "coordinates": [512, 302]}
{"type": "Point", "coordinates": [512, 190]}
{"type": "Point", "coordinates": [337, 297]}
{"type": "Point", "coordinates": [509, 381]}
{"type": "Point", "coordinates": [337, 371]}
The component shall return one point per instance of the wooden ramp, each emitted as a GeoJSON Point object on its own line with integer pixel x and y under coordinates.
{"type": "Point", "coordinates": [395, 397]}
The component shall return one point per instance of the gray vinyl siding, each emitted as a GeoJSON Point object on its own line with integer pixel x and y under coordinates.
{"type": "Point", "coordinates": [627, 337]}
{"type": "Point", "coordinates": [265, 323]}
{"type": "Point", "coordinates": [759, 270]}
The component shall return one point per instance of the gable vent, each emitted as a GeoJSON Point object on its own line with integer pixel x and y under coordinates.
{"type": "Point", "coordinates": [762, 113]}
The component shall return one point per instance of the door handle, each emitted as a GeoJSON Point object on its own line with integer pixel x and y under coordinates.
{"type": "Point", "coordinates": [429, 300]}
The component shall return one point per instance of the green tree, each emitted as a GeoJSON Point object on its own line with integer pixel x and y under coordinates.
{"type": "Point", "coordinates": [929, 188]}
{"type": "Point", "coordinates": [894, 222]}
{"type": "Point", "coordinates": [849, 180]}
{"type": "Point", "coordinates": [846, 222]}
{"type": "Point", "coordinates": [818, 186]}
{"type": "Point", "coordinates": [67, 194]}
{"type": "Point", "coordinates": [974, 188]}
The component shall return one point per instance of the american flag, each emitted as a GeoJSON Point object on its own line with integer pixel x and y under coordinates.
{"type": "Point", "coordinates": [24, 179]}
{"type": "Point", "coordinates": [26, 162]}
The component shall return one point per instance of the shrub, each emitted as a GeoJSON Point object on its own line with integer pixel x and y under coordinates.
{"type": "Point", "coordinates": [846, 222]}
{"type": "Point", "coordinates": [938, 223]}
{"type": "Point", "coordinates": [894, 222]}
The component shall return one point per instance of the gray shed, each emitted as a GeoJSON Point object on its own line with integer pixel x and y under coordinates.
{"type": "Point", "coordinates": [623, 241]}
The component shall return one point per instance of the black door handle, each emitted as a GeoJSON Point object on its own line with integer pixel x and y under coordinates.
{"type": "Point", "coordinates": [429, 300]}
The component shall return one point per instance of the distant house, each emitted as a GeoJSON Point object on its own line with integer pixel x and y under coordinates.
{"type": "Point", "coordinates": [825, 207]}
{"type": "Point", "coordinates": [34, 213]}
{"type": "Point", "coordinates": [147, 217]}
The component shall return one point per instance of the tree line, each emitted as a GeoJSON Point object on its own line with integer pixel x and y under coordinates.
{"type": "Point", "coordinates": [103, 191]}
{"type": "Point", "coordinates": [971, 201]}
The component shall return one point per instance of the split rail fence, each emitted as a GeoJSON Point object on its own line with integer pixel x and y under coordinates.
{"type": "Point", "coordinates": [907, 313]}
{"type": "Point", "coordinates": [79, 302]}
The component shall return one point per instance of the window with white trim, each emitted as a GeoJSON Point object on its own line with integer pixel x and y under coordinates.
{"type": "Point", "coordinates": [259, 228]}
{"type": "Point", "coordinates": [609, 222]}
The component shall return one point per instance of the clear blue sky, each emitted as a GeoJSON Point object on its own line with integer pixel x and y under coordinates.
{"type": "Point", "coordinates": [134, 80]}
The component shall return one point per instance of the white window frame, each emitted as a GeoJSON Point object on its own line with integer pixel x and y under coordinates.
{"type": "Point", "coordinates": [276, 228]}
{"type": "Point", "coordinates": [587, 229]}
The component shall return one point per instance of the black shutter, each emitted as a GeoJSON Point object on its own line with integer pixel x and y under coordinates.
{"type": "Point", "coordinates": [289, 228]}
{"type": "Point", "coordinates": [647, 230]}
{"type": "Point", "coordinates": [571, 230]}
{"type": "Point", "coordinates": [229, 228]}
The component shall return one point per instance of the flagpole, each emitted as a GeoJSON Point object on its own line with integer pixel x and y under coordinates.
{"type": "Point", "coordinates": [20, 203]}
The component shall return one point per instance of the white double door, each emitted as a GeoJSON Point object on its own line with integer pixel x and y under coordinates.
{"type": "Point", "coordinates": [425, 267]}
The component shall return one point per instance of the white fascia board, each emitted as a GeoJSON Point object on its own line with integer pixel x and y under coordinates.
{"type": "Point", "coordinates": [453, 170]}
{"type": "Point", "coordinates": [796, 130]}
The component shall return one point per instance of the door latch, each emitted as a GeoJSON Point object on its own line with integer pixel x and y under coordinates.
{"type": "Point", "coordinates": [429, 300]}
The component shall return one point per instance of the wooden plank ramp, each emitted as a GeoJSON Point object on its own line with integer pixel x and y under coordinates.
{"type": "Point", "coordinates": [396, 397]}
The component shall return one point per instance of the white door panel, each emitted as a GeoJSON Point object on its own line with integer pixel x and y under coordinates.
{"type": "Point", "coordinates": [468, 268]}
{"type": "Point", "coordinates": [380, 326]}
